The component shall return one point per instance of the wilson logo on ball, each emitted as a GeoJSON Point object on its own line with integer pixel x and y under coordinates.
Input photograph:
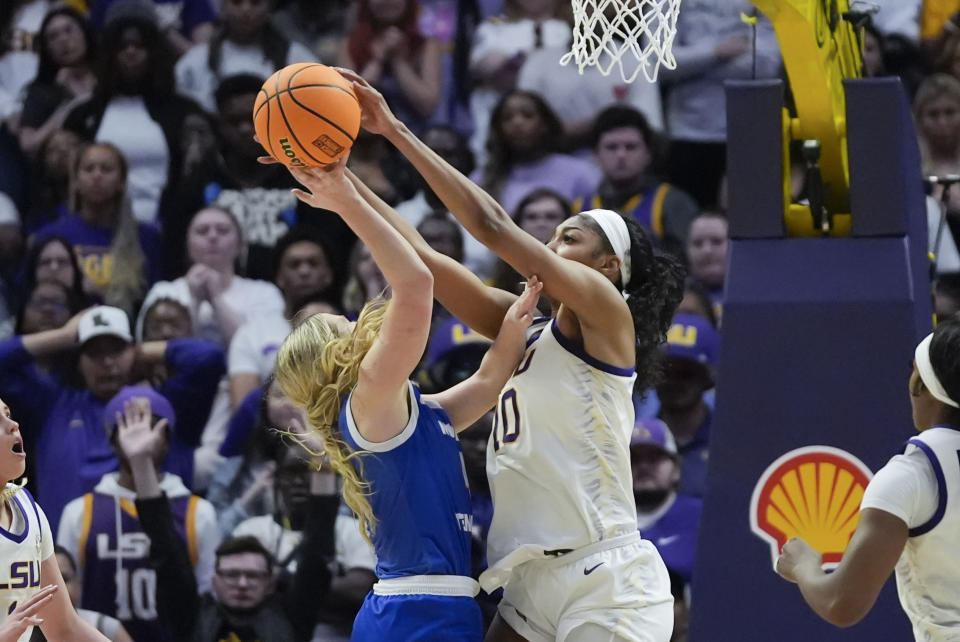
{"type": "Point", "coordinates": [814, 493]}
{"type": "Point", "coordinates": [289, 153]}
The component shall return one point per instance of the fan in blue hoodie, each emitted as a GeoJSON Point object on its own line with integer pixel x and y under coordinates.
{"type": "Point", "coordinates": [73, 452]}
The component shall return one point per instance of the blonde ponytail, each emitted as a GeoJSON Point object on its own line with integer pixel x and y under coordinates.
{"type": "Point", "coordinates": [317, 367]}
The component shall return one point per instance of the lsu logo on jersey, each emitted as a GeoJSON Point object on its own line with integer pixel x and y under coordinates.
{"type": "Point", "coordinates": [682, 335]}
{"type": "Point", "coordinates": [133, 546]}
{"type": "Point", "coordinates": [814, 493]}
{"type": "Point", "coordinates": [96, 265]}
{"type": "Point", "coordinates": [25, 574]}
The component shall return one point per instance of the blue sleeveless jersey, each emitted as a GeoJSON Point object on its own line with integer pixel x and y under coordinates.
{"type": "Point", "coordinates": [418, 492]}
{"type": "Point", "coordinates": [136, 604]}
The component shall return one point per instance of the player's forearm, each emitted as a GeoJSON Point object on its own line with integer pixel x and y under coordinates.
{"type": "Point", "coordinates": [390, 215]}
{"type": "Point", "coordinates": [468, 202]}
{"type": "Point", "coordinates": [400, 264]}
{"type": "Point", "coordinates": [73, 630]}
{"type": "Point", "coordinates": [498, 365]}
{"type": "Point", "coordinates": [823, 594]}
{"type": "Point", "coordinates": [455, 287]}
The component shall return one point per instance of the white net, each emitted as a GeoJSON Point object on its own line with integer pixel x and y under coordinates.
{"type": "Point", "coordinates": [634, 35]}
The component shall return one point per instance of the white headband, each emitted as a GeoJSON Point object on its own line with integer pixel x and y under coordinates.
{"type": "Point", "coordinates": [615, 229]}
{"type": "Point", "coordinates": [921, 357]}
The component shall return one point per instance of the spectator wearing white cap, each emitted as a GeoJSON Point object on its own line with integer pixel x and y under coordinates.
{"type": "Point", "coordinates": [168, 313]}
{"type": "Point", "coordinates": [66, 424]}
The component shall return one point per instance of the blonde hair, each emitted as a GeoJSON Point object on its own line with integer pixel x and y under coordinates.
{"type": "Point", "coordinates": [933, 87]}
{"type": "Point", "coordinates": [12, 488]}
{"type": "Point", "coordinates": [127, 281]}
{"type": "Point", "coordinates": [317, 367]}
{"type": "Point", "coordinates": [241, 259]}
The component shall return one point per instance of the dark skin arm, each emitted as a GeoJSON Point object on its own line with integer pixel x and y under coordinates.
{"type": "Point", "coordinates": [591, 306]}
{"type": "Point", "coordinates": [845, 596]}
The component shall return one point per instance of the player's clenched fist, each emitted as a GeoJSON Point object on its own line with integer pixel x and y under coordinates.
{"type": "Point", "coordinates": [796, 554]}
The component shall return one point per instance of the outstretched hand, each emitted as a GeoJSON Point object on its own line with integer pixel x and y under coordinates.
{"type": "Point", "coordinates": [375, 115]}
{"type": "Point", "coordinates": [137, 436]}
{"type": "Point", "coordinates": [327, 187]}
{"type": "Point", "coordinates": [25, 614]}
{"type": "Point", "coordinates": [520, 314]}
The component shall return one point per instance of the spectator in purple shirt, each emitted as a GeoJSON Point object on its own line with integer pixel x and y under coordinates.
{"type": "Point", "coordinates": [118, 256]}
{"type": "Point", "coordinates": [523, 154]}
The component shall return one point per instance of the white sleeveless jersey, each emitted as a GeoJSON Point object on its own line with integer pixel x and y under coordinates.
{"type": "Point", "coordinates": [928, 573]}
{"type": "Point", "coordinates": [23, 548]}
{"type": "Point", "coordinates": [558, 458]}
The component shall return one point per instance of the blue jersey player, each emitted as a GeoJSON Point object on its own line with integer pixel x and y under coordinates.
{"type": "Point", "coordinates": [397, 451]}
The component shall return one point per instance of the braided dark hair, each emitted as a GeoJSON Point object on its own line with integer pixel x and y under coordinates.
{"type": "Point", "coordinates": [945, 360]}
{"type": "Point", "coordinates": [655, 289]}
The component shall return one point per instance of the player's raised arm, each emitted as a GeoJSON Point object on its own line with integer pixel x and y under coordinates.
{"type": "Point", "coordinates": [458, 289]}
{"type": "Point", "coordinates": [467, 401]}
{"type": "Point", "coordinates": [586, 291]}
{"type": "Point", "coordinates": [380, 399]}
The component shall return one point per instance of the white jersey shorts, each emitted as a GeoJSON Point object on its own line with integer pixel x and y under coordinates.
{"type": "Point", "coordinates": [618, 587]}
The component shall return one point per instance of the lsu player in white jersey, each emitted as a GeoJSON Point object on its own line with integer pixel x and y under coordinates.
{"type": "Point", "coordinates": [909, 517]}
{"type": "Point", "coordinates": [564, 543]}
{"type": "Point", "coordinates": [32, 592]}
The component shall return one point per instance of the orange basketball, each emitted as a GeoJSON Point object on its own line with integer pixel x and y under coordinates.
{"type": "Point", "coordinates": [306, 115]}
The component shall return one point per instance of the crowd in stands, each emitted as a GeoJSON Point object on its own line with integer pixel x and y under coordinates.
{"type": "Point", "coordinates": [145, 253]}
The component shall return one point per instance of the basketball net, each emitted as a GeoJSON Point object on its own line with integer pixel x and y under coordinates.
{"type": "Point", "coordinates": [635, 35]}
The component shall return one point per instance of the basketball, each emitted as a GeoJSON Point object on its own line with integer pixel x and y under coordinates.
{"type": "Point", "coordinates": [306, 115]}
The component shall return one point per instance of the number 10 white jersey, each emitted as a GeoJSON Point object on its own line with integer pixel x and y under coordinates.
{"type": "Point", "coordinates": [558, 459]}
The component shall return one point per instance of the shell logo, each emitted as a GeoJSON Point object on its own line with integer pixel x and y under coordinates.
{"type": "Point", "coordinates": [812, 492]}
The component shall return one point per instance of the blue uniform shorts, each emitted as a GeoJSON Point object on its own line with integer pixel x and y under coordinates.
{"type": "Point", "coordinates": [408, 618]}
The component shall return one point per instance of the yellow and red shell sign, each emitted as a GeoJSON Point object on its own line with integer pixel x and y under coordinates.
{"type": "Point", "coordinates": [814, 493]}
